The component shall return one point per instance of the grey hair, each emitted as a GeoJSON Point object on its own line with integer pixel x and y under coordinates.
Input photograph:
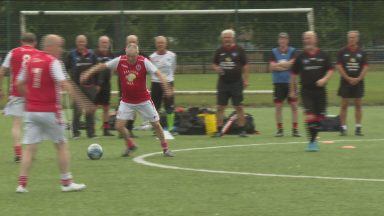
{"type": "Point", "coordinates": [104, 36]}
{"type": "Point", "coordinates": [354, 31]}
{"type": "Point", "coordinates": [310, 33]}
{"type": "Point", "coordinates": [161, 37]}
{"type": "Point", "coordinates": [228, 31]}
{"type": "Point", "coordinates": [133, 46]}
{"type": "Point", "coordinates": [51, 39]}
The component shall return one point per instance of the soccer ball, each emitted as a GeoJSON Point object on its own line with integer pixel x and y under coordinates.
{"type": "Point", "coordinates": [95, 151]}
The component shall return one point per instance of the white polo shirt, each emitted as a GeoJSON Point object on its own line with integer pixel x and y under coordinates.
{"type": "Point", "coordinates": [166, 63]}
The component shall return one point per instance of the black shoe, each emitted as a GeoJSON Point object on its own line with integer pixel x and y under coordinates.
{"type": "Point", "coordinates": [92, 136]}
{"type": "Point", "coordinates": [243, 134]}
{"type": "Point", "coordinates": [128, 151]}
{"type": "Point", "coordinates": [295, 133]}
{"type": "Point", "coordinates": [217, 135]}
{"type": "Point", "coordinates": [17, 159]}
{"type": "Point", "coordinates": [107, 132]}
{"type": "Point", "coordinates": [279, 133]}
{"type": "Point", "coordinates": [76, 136]}
{"type": "Point", "coordinates": [343, 132]}
{"type": "Point", "coordinates": [358, 132]}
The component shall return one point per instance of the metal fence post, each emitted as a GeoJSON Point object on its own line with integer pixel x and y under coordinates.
{"type": "Point", "coordinates": [123, 31]}
{"type": "Point", "coordinates": [236, 14]}
{"type": "Point", "coordinates": [204, 66]}
{"type": "Point", "coordinates": [8, 6]}
{"type": "Point", "coordinates": [350, 14]}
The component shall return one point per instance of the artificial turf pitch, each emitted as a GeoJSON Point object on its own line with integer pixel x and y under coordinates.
{"type": "Point", "coordinates": [119, 186]}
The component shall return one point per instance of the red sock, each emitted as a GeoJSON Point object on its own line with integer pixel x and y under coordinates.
{"type": "Point", "coordinates": [279, 125]}
{"type": "Point", "coordinates": [164, 145]}
{"type": "Point", "coordinates": [66, 182]}
{"type": "Point", "coordinates": [23, 180]}
{"type": "Point", "coordinates": [294, 125]}
{"type": "Point", "coordinates": [66, 179]}
{"type": "Point", "coordinates": [106, 125]}
{"type": "Point", "coordinates": [130, 143]}
{"type": "Point", "coordinates": [17, 149]}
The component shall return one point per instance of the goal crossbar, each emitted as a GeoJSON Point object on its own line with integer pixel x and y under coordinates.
{"type": "Point", "coordinates": [309, 12]}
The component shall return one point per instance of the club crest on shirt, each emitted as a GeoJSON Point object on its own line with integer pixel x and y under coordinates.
{"type": "Point", "coordinates": [228, 59]}
{"type": "Point", "coordinates": [234, 54]}
{"type": "Point", "coordinates": [131, 76]}
{"type": "Point", "coordinates": [138, 67]}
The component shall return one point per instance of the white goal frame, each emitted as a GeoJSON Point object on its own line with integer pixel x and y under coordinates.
{"type": "Point", "coordinates": [308, 11]}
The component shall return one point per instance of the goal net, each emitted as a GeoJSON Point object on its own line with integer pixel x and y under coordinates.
{"type": "Point", "coordinates": [193, 34]}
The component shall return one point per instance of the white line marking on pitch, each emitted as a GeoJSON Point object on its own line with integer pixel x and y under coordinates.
{"type": "Point", "coordinates": [141, 160]}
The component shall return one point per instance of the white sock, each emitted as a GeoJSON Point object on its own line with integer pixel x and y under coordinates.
{"type": "Point", "coordinates": [358, 125]}
{"type": "Point", "coordinates": [66, 176]}
{"type": "Point", "coordinates": [344, 127]}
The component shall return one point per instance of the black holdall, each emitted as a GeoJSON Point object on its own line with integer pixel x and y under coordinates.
{"type": "Point", "coordinates": [330, 123]}
{"type": "Point", "coordinates": [249, 126]}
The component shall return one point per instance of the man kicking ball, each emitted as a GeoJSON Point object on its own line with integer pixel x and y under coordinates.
{"type": "Point", "coordinates": [132, 70]}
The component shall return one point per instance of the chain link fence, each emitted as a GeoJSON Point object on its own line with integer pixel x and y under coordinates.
{"type": "Point", "coordinates": [195, 37]}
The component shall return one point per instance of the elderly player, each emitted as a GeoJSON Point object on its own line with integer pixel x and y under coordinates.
{"type": "Point", "coordinates": [352, 65]}
{"type": "Point", "coordinates": [40, 81]}
{"type": "Point", "coordinates": [14, 61]}
{"type": "Point", "coordinates": [132, 70]}
{"type": "Point", "coordinates": [314, 68]}
{"type": "Point", "coordinates": [231, 64]}
{"type": "Point", "coordinates": [104, 54]}
{"type": "Point", "coordinates": [128, 40]}
{"type": "Point", "coordinates": [165, 61]}
{"type": "Point", "coordinates": [79, 60]}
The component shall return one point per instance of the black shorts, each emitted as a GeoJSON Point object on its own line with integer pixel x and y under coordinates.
{"type": "Point", "coordinates": [281, 92]}
{"type": "Point", "coordinates": [349, 91]}
{"type": "Point", "coordinates": [157, 95]}
{"type": "Point", "coordinates": [103, 97]}
{"type": "Point", "coordinates": [225, 91]}
{"type": "Point", "coordinates": [314, 101]}
{"type": "Point", "coordinates": [90, 92]}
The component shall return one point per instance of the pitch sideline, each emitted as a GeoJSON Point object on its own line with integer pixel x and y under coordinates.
{"type": "Point", "coordinates": [141, 160]}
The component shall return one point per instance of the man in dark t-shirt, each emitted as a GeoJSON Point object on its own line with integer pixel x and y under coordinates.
{"type": "Point", "coordinates": [231, 63]}
{"type": "Point", "coordinates": [79, 60]}
{"type": "Point", "coordinates": [314, 68]}
{"type": "Point", "coordinates": [103, 97]}
{"type": "Point", "coordinates": [352, 65]}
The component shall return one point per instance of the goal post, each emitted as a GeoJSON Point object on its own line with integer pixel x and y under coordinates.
{"type": "Point", "coordinates": [308, 23]}
{"type": "Point", "coordinates": [308, 11]}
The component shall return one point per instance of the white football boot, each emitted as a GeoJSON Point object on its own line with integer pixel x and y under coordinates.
{"type": "Point", "coordinates": [73, 187]}
{"type": "Point", "coordinates": [21, 189]}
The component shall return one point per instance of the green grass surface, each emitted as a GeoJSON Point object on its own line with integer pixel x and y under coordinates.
{"type": "Point", "coordinates": [258, 81]}
{"type": "Point", "coordinates": [118, 186]}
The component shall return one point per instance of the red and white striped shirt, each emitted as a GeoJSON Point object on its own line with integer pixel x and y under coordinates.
{"type": "Point", "coordinates": [15, 60]}
{"type": "Point", "coordinates": [42, 74]}
{"type": "Point", "coordinates": [133, 78]}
